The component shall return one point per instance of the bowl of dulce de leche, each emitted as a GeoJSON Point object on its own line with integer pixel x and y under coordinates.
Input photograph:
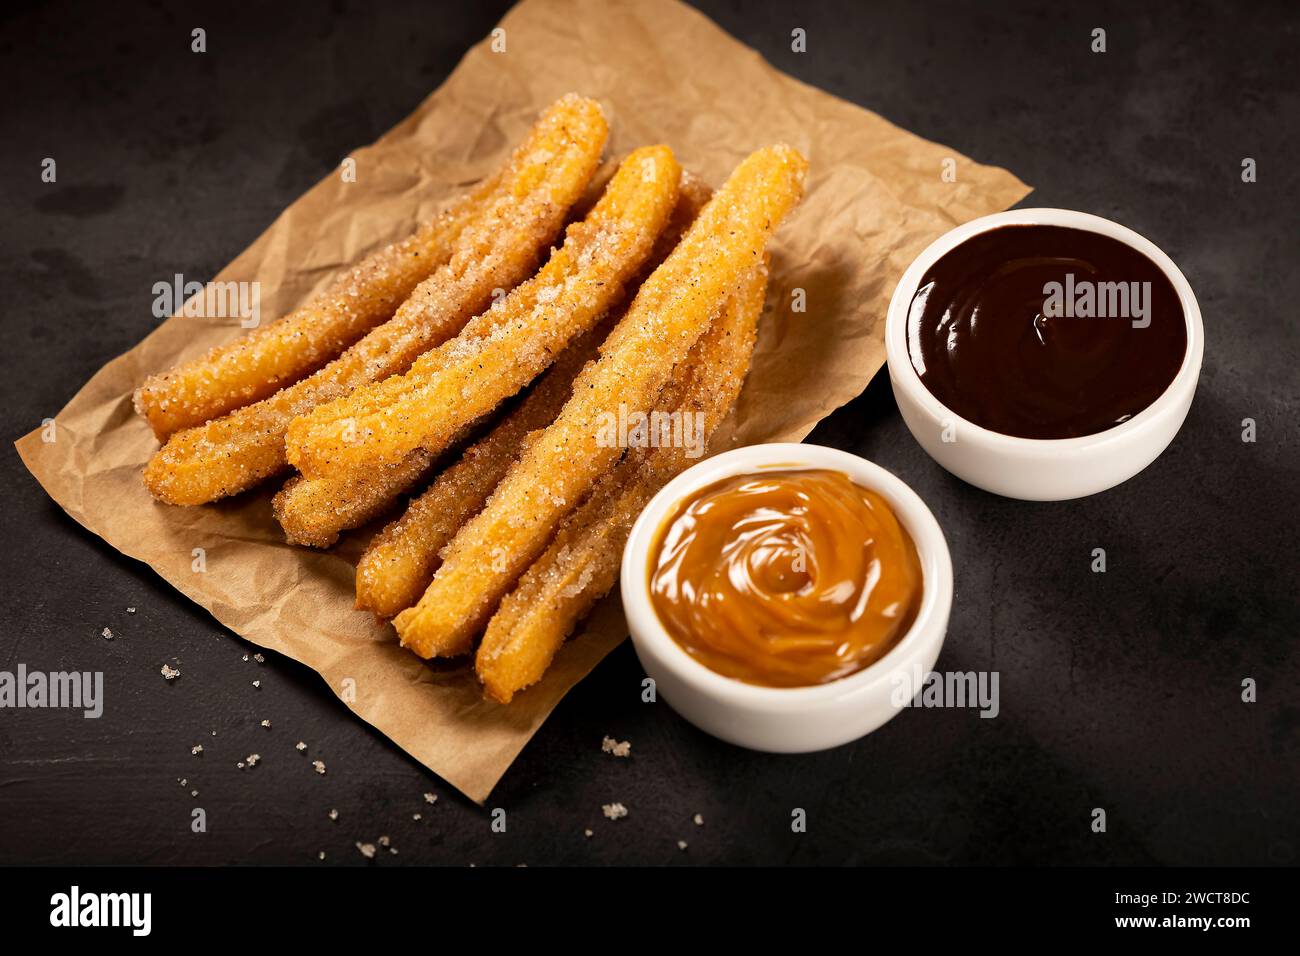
{"type": "Point", "coordinates": [1044, 354]}
{"type": "Point", "coordinates": [784, 597]}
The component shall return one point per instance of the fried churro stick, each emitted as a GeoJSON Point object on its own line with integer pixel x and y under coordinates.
{"type": "Point", "coordinates": [503, 350]}
{"type": "Point", "coordinates": [497, 250]}
{"type": "Point", "coordinates": [263, 361]}
{"type": "Point", "coordinates": [313, 511]}
{"type": "Point", "coordinates": [399, 563]}
{"type": "Point", "coordinates": [582, 562]}
{"type": "Point", "coordinates": [670, 312]}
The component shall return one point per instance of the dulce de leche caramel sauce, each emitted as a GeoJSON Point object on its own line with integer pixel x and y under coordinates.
{"type": "Point", "coordinates": [1046, 331]}
{"type": "Point", "coordinates": [785, 578]}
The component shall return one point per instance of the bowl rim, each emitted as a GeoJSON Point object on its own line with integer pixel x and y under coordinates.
{"type": "Point", "coordinates": [904, 374]}
{"type": "Point", "coordinates": [912, 512]}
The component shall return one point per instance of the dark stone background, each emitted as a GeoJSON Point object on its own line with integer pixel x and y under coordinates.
{"type": "Point", "coordinates": [1118, 690]}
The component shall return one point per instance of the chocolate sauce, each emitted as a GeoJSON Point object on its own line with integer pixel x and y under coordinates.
{"type": "Point", "coordinates": [1046, 331]}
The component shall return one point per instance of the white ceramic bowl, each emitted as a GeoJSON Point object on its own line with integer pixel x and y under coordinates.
{"type": "Point", "coordinates": [1030, 468]}
{"type": "Point", "coordinates": [787, 719]}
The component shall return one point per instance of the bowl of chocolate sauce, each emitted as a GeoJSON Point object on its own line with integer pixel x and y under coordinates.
{"type": "Point", "coordinates": [1044, 354]}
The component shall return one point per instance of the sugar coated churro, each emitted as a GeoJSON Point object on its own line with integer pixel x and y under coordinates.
{"type": "Point", "coordinates": [313, 512]}
{"type": "Point", "coordinates": [582, 562]}
{"type": "Point", "coordinates": [265, 360]}
{"type": "Point", "coordinates": [400, 561]}
{"type": "Point", "coordinates": [670, 312]}
{"type": "Point", "coordinates": [501, 351]}
{"type": "Point", "coordinates": [498, 249]}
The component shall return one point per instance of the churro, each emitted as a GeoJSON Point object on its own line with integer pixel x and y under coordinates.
{"type": "Point", "coordinates": [502, 351]}
{"type": "Point", "coordinates": [400, 560]}
{"type": "Point", "coordinates": [670, 312]}
{"type": "Point", "coordinates": [582, 562]}
{"type": "Point", "coordinates": [267, 359]}
{"type": "Point", "coordinates": [495, 251]}
{"type": "Point", "coordinates": [313, 512]}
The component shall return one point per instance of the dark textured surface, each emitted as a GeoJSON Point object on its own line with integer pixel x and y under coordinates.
{"type": "Point", "coordinates": [1118, 690]}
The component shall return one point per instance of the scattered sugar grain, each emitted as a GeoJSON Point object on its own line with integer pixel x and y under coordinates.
{"type": "Point", "coordinates": [618, 748]}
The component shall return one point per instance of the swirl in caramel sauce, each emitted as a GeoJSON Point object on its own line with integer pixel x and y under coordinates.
{"type": "Point", "coordinates": [785, 578]}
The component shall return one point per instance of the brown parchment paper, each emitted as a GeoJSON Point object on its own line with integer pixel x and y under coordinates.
{"type": "Point", "coordinates": [664, 73]}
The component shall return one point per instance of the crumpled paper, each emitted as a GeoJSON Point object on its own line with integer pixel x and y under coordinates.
{"type": "Point", "coordinates": [664, 73]}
